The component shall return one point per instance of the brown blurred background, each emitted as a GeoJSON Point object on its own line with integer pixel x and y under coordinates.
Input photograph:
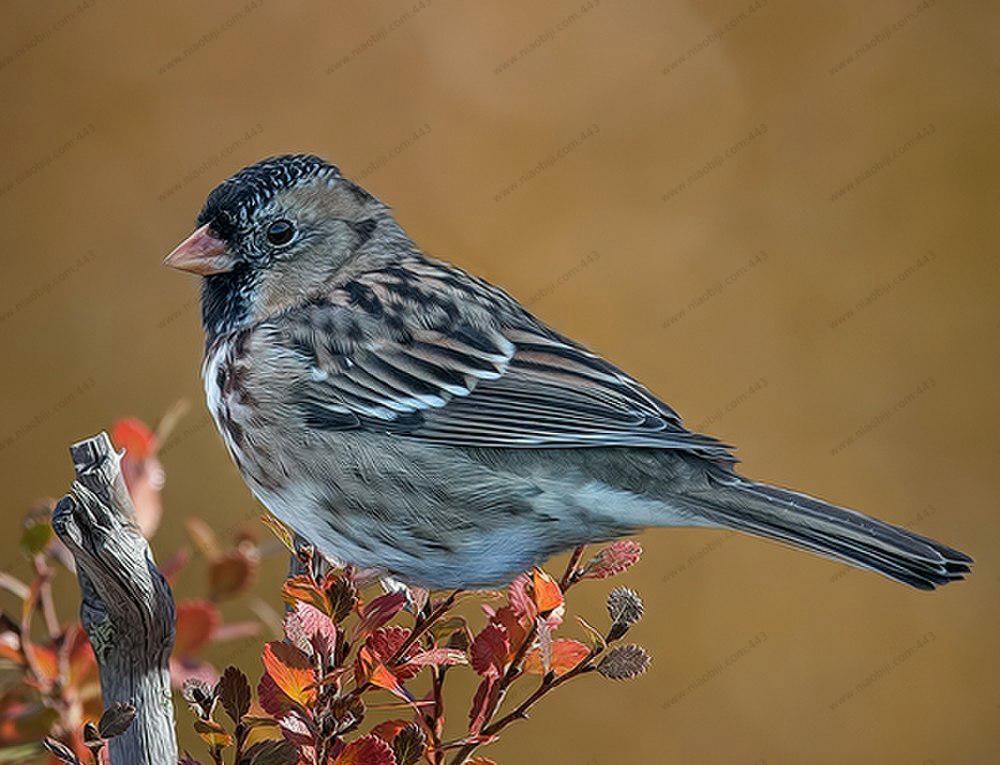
{"type": "Point", "coordinates": [782, 217]}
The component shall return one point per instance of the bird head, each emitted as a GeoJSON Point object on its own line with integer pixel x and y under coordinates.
{"type": "Point", "coordinates": [274, 235]}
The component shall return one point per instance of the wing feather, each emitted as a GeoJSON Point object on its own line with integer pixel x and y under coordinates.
{"type": "Point", "coordinates": [484, 376]}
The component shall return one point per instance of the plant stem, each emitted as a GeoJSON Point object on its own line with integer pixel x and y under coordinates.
{"type": "Point", "coordinates": [44, 573]}
{"type": "Point", "coordinates": [435, 721]}
{"type": "Point", "coordinates": [519, 713]}
{"type": "Point", "coordinates": [422, 626]}
{"type": "Point", "coordinates": [514, 671]}
{"type": "Point", "coordinates": [418, 629]}
{"type": "Point", "coordinates": [569, 576]}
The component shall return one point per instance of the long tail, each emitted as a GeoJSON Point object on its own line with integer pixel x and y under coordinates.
{"type": "Point", "coordinates": [846, 535]}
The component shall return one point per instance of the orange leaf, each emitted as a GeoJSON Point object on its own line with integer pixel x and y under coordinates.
{"type": "Point", "coordinates": [11, 654]}
{"type": "Point", "coordinates": [566, 654]}
{"type": "Point", "coordinates": [369, 750]}
{"type": "Point", "coordinates": [300, 588]}
{"type": "Point", "coordinates": [291, 670]}
{"type": "Point", "coordinates": [387, 730]}
{"type": "Point", "coordinates": [45, 660]}
{"type": "Point", "coordinates": [385, 641]}
{"type": "Point", "coordinates": [212, 733]}
{"type": "Point", "coordinates": [203, 537]}
{"type": "Point", "coordinates": [271, 698]}
{"type": "Point", "coordinates": [547, 594]}
{"type": "Point", "coordinates": [370, 668]}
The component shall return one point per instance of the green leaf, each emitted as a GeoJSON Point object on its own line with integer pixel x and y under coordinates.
{"type": "Point", "coordinates": [36, 535]}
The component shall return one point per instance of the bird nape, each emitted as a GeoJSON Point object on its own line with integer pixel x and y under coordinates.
{"type": "Point", "coordinates": [406, 416]}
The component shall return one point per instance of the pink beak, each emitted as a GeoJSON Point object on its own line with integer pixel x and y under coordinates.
{"type": "Point", "coordinates": [201, 253]}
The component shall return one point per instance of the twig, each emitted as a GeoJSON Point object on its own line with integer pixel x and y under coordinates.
{"type": "Point", "coordinates": [418, 629]}
{"type": "Point", "coordinates": [44, 573]}
{"type": "Point", "coordinates": [435, 719]}
{"type": "Point", "coordinates": [569, 576]}
{"type": "Point", "coordinates": [14, 586]}
{"type": "Point", "coordinates": [422, 626]}
{"type": "Point", "coordinates": [514, 671]}
{"type": "Point", "coordinates": [548, 684]}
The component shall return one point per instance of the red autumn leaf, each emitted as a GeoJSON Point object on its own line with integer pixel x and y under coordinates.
{"type": "Point", "coordinates": [369, 668]}
{"type": "Point", "coordinates": [133, 435]}
{"type": "Point", "coordinates": [309, 629]}
{"type": "Point", "coordinates": [82, 662]}
{"type": "Point", "coordinates": [10, 652]}
{"type": "Point", "coordinates": [291, 670]}
{"type": "Point", "coordinates": [197, 621]}
{"type": "Point", "coordinates": [368, 750]}
{"type": "Point", "coordinates": [142, 471]}
{"type": "Point", "coordinates": [481, 702]}
{"type": "Point", "coordinates": [516, 630]}
{"type": "Point", "coordinates": [613, 559]}
{"type": "Point", "coordinates": [381, 610]}
{"type": "Point", "coordinates": [546, 592]}
{"type": "Point", "coordinates": [489, 651]}
{"type": "Point", "coordinates": [300, 588]}
{"type": "Point", "coordinates": [271, 698]}
{"type": "Point", "coordinates": [566, 654]}
{"type": "Point", "coordinates": [233, 573]}
{"type": "Point", "coordinates": [519, 596]}
{"type": "Point", "coordinates": [387, 730]}
{"type": "Point", "coordinates": [382, 645]}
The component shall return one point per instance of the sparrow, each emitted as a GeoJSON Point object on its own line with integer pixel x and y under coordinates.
{"type": "Point", "coordinates": [408, 417]}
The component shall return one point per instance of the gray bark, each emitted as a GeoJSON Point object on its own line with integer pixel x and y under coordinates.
{"type": "Point", "coordinates": [127, 609]}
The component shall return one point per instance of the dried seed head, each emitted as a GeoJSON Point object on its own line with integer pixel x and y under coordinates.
{"type": "Point", "coordinates": [200, 696]}
{"type": "Point", "coordinates": [625, 609]}
{"type": "Point", "coordinates": [624, 662]}
{"type": "Point", "coordinates": [59, 750]}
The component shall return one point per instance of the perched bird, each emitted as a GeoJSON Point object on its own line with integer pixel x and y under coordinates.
{"type": "Point", "coordinates": [406, 416]}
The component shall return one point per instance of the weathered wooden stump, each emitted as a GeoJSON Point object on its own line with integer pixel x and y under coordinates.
{"type": "Point", "coordinates": [127, 609]}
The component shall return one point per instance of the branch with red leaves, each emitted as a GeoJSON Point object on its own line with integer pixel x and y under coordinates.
{"type": "Point", "coordinates": [348, 652]}
{"type": "Point", "coordinates": [341, 651]}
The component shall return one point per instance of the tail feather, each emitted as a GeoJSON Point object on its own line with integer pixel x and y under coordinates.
{"type": "Point", "coordinates": [846, 535]}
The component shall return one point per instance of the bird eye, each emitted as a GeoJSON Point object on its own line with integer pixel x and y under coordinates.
{"type": "Point", "coordinates": [280, 232]}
